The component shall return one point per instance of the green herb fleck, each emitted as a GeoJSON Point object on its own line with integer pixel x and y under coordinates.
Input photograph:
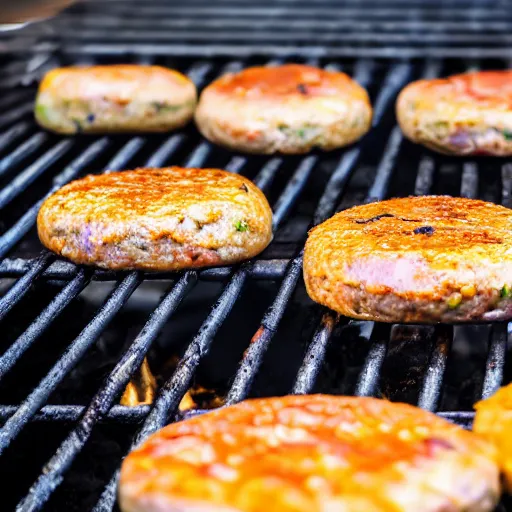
{"type": "Point", "coordinates": [283, 127]}
{"type": "Point", "coordinates": [507, 134]}
{"type": "Point", "coordinates": [241, 226]}
{"type": "Point", "coordinates": [506, 292]}
{"type": "Point", "coordinates": [41, 112]}
{"type": "Point", "coordinates": [301, 132]}
{"type": "Point", "coordinates": [454, 300]}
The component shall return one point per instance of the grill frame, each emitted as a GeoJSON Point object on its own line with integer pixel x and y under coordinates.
{"type": "Point", "coordinates": [29, 271]}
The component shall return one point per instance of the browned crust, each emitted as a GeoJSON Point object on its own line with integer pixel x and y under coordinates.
{"type": "Point", "coordinates": [288, 109]}
{"type": "Point", "coordinates": [493, 421]}
{"type": "Point", "coordinates": [416, 259]}
{"type": "Point", "coordinates": [311, 454]}
{"type": "Point", "coordinates": [157, 219]}
{"type": "Point", "coordinates": [462, 114]}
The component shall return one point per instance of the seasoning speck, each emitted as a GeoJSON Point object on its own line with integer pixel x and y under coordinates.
{"type": "Point", "coordinates": [302, 88]}
{"type": "Point", "coordinates": [424, 230]}
{"type": "Point", "coordinates": [243, 187]}
{"type": "Point", "coordinates": [91, 118]}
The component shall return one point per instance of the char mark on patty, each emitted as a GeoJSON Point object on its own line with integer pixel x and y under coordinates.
{"type": "Point", "coordinates": [383, 216]}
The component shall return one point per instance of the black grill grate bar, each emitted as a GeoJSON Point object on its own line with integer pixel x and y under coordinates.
{"type": "Point", "coordinates": [469, 181]}
{"type": "Point", "coordinates": [42, 322]}
{"type": "Point", "coordinates": [292, 190]}
{"type": "Point", "coordinates": [394, 81]}
{"type": "Point", "coordinates": [165, 150]}
{"type": "Point", "coordinates": [369, 377]}
{"type": "Point", "coordinates": [23, 284]}
{"type": "Point", "coordinates": [51, 475]}
{"type": "Point", "coordinates": [425, 176]}
{"type": "Point", "coordinates": [63, 270]}
{"type": "Point", "coordinates": [25, 223]}
{"type": "Point", "coordinates": [73, 354]}
{"type": "Point", "coordinates": [315, 355]}
{"type": "Point", "coordinates": [15, 113]}
{"type": "Point", "coordinates": [254, 354]}
{"type": "Point", "coordinates": [31, 173]}
{"type": "Point", "coordinates": [312, 24]}
{"type": "Point", "coordinates": [296, 11]}
{"type": "Point", "coordinates": [23, 151]}
{"type": "Point", "coordinates": [13, 133]}
{"type": "Point", "coordinates": [125, 154]}
{"type": "Point", "coordinates": [276, 50]}
{"type": "Point", "coordinates": [73, 413]}
{"type": "Point", "coordinates": [494, 367]}
{"type": "Point", "coordinates": [506, 179]}
{"type": "Point", "coordinates": [430, 393]}
{"type": "Point", "coordinates": [324, 36]}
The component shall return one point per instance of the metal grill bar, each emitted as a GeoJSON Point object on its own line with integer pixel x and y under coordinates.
{"type": "Point", "coordinates": [63, 270]}
{"type": "Point", "coordinates": [73, 354]}
{"type": "Point", "coordinates": [432, 383]}
{"type": "Point", "coordinates": [31, 173]}
{"type": "Point", "coordinates": [25, 150]}
{"type": "Point", "coordinates": [496, 360]}
{"type": "Point", "coordinates": [13, 133]}
{"type": "Point", "coordinates": [43, 321]}
{"type": "Point", "coordinates": [22, 285]}
{"type": "Point", "coordinates": [73, 413]}
{"type": "Point", "coordinates": [314, 358]}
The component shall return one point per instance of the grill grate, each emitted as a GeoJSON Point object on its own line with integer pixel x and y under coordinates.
{"type": "Point", "coordinates": [40, 295]}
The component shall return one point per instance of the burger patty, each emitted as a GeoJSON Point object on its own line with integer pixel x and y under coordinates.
{"type": "Point", "coordinates": [157, 219]}
{"type": "Point", "coordinates": [115, 98]}
{"type": "Point", "coordinates": [288, 109]}
{"type": "Point", "coordinates": [417, 259]}
{"type": "Point", "coordinates": [311, 454]}
{"type": "Point", "coordinates": [493, 421]}
{"type": "Point", "coordinates": [466, 114]}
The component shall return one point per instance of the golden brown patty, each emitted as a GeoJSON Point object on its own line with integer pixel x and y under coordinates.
{"type": "Point", "coordinates": [115, 98]}
{"type": "Point", "coordinates": [311, 454]}
{"type": "Point", "coordinates": [493, 421]}
{"type": "Point", "coordinates": [157, 219]}
{"type": "Point", "coordinates": [287, 109]}
{"type": "Point", "coordinates": [415, 259]}
{"type": "Point", "coordinates": [463, 114]}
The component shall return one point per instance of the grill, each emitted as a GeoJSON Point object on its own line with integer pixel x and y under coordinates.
{"type": "Point", "coordinates": [73, 337]}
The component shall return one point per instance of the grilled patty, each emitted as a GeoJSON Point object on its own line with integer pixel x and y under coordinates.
{"type": "Point", "coordinates": [157, 219]}
{"type": "Point", "coordinates": [288, 109]}
{"type": "Point", "coordinates": [466, 114]}
{"type": "Point", "coordinates": [115, 98]}
{"type": "Point", "coordinates": [311, 454]}
{"type": "Point", "coordinates": [493, 421]}
{"type": "Point", "coordinates": [416, 259]}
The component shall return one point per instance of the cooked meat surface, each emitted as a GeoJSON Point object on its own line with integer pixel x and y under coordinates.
{"type": "Point", "coordinates": [157, 219]}
{"type": "Point", "coordinates": [416, 259]}
{"type": "Point", "coordinates": [288, 109]}
{"type": "Point", "coordinates": [493, 421]}
{"type": "Point", "coordinates": [116, 98]}
{"type": "Point", "coordinates": [311, 454]}
{"type": "Point", "coordinates": [466, 114]}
